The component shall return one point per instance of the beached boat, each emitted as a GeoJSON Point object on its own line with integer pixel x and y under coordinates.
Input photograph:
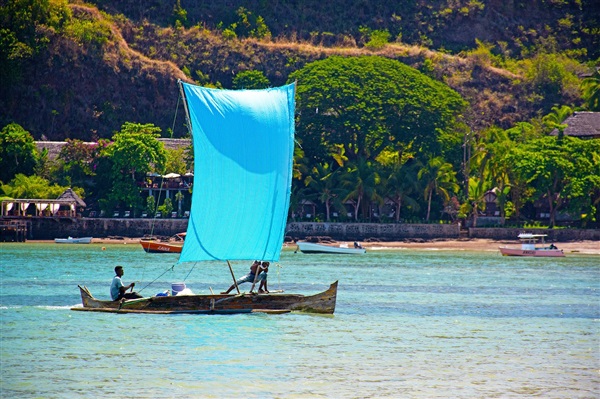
{"type": "Point", "coordinates": [243, 156]}
{"type": "Point", "coordinates": [533, 245]}
{"type": "Point", "coordinates": [174, 245]}
{"type": "Point", "coordinates": [72, 240]}
{"type": "Point", "coordinates": [314, 248]}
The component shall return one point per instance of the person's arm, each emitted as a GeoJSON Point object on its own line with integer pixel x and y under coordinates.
{"type": "Point", "coordinates": [123, 289]}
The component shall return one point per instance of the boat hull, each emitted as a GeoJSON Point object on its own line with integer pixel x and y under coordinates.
{"type": "Point", "coordinates": [547, 253]}
{"type": "Point", "coordinates": [82, 240]}
{"type": "Point", "coordinates": [312, 248]}
{"type": "Point", "coordinates": [323, 302]}
{"type": "Point", "coordinates": [160, 247]}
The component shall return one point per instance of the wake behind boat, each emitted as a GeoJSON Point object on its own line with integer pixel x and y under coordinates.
{"type": "Point", "coordinates": [243, 156]}
{"type": "Point", "coordinates": [314, 248]}
{"type": "Point", "coordinates": [529, 247]}
{"type": "Point", "coordinates": [72, 240]}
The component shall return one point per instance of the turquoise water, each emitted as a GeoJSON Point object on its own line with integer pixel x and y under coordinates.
{"type": "Point", "coordinates": [408, 324]}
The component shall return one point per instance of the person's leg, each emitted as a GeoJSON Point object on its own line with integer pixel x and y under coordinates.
{"type": "Point", "coordinates": [132, 295]}
{"type": "Point", "coordinates": [229, 290]}
{"type": "Point", "coordinates": [242, 280]}
{"type": "Point", "coordinates": [263, 283]}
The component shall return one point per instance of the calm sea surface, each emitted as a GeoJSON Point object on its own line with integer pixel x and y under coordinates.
{"type": "Point", "coordinates": [408, 324]}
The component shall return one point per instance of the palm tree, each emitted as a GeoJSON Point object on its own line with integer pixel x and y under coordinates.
{"type": "Point", "coordinates": [179, 199]}
{"type": "Point", "coordinates": [555, 119]}
{"type": "Point", "coordinates": [298, 193]}
{"type": "Point", "coordinates": [401, 185]}
{"type": "Point", "coordinates": [477, 190]}
{"type": "Point", "coordinates": [439, 177]}
{"type": "Point", "coordinates": [324, 182]}
{"type": "Point", "coordinates": [361, 180]}
{"type": "Point", "coordinates": [591, 91]}
{"type": "Point", "coordinates": [490, 171]}
{"type": "Point", "coordinates": [299, 167]}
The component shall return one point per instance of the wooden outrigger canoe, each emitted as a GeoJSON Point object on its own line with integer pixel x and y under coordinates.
{"type": "Point", "coordinates": [323, 302]}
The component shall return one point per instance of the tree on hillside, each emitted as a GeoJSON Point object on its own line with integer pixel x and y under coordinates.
{"type": "Point", "coordinates": [250, 80]}
{"type": "Point", "coordinates": [370, 104]}
{"type": "Point", "coordinates": [135, 151]}
{"type": "Point", "coordinates": [77, 158]}
{"type": "Point", "coordinates": [17, 152]}
{"type": "Point", "coordinates": [24, 26]}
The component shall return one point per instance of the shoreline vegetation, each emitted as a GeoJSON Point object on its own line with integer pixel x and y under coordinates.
{"type": "Point", "coordinates": [585, 247]}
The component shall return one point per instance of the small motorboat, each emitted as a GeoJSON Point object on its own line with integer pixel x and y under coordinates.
{"type": "Point", "coordinates": [533, 245]}
{"type": "Point", "coordinates": [314, 248]}
{"type": "Point", "coordinates": [72, 240]}
{"type": "Point", "coordinates": [173, 245]}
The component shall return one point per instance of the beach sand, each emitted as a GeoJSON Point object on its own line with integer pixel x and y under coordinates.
{"type": "Point", "coordinates": [473, 244]}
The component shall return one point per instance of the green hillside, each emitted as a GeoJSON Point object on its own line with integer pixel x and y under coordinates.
{"type": "Point", "coordinates": [75, 70]}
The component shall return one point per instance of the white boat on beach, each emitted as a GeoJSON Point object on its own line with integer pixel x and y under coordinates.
{"type": "Point", "coordinates": [314, 248]}
{"type": "Point", "coordinates": [72, 240]}
{"type": "Point", "coordinates": [530, 247]}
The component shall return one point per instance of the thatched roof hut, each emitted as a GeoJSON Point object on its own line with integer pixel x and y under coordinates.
{"type": "Point", "coordinates": [585, 125]}
{"type": "Point", "coordinates": [69, 194]}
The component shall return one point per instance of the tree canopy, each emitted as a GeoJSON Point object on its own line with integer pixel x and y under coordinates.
{"type": "Point", "coordinates": [17, 152]}
{"type": "Point", "coordinates": [370, 104]}
{"type": "Point", "coordinates": [134, 152]}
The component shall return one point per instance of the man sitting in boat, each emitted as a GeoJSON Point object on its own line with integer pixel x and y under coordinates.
{"type": "Point", "coordinates": [252, 277]}
{"type": "Point", "coordinates": [357, 245]}
{"type": "Point", "coordinates": [118, 291]}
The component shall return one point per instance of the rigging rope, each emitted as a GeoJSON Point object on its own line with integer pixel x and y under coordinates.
{"type": "Point", "coordinates": [153, 281]}
{"type": "Point", "coordinates": [162, 180]}
{"type": "Point", "coordinates": [190, 272]}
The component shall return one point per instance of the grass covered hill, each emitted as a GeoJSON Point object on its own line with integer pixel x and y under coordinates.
{"type": "Point", "coordinates": [75, 70]}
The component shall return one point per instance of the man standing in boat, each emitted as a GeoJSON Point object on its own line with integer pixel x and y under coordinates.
{"type": "Point", "coordinates": [118, 290]}
{"type": "Point", "coordinates": [256, 267]}
{"type": "Point", "coordinates": [262, 288]}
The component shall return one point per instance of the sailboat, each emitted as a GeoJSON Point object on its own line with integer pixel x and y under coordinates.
{"type": "Point", "coordinates": [243, 152]}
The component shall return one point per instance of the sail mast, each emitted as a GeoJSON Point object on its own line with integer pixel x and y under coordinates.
{"type": "Point", "coordinates": [185, 106]}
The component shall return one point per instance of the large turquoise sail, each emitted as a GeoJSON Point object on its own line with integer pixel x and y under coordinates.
{"type": "Point", "coordinates": [243, 152]}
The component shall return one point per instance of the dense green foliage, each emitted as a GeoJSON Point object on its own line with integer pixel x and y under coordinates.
{"type": "Point", "coordinates": [32, 187]}
{"type": "Point", "coordinates": [250, 80]}
{"type": "Point", "coordinates": [102, 69]}
{"type": "Point", "coordinates": [17, 152]}
{"type": "Point", "coordinates": [403, 114]}
{"type": "Point", "coordinates": [135, 151]}
{"type": "Point", "coordinates": [370, 105]}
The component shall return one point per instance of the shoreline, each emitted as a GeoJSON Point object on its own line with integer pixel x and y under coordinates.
{"type": "Point", "coordinates": [587, 247]}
